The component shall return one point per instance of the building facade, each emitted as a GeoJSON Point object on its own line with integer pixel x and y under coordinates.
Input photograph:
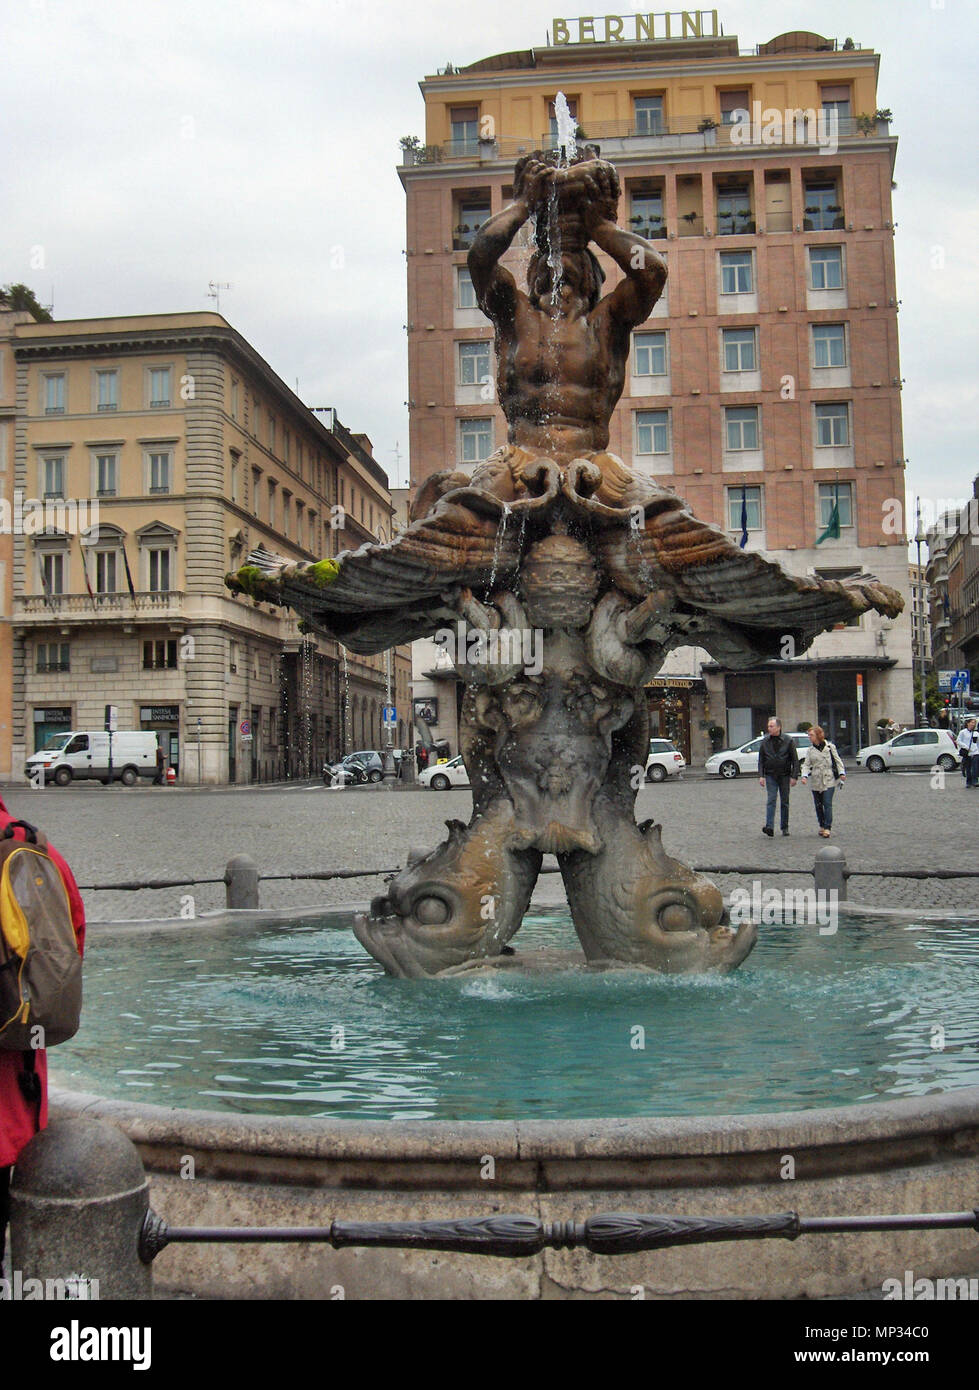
{"type": "Point", "coordinates": [151, 455]}
{"type": "Point", "coordinates": [765, 386]}
{"type": "Point", "coordinates": [920, 618]}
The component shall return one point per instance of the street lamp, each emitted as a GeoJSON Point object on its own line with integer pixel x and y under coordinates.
{"type": "Point", "coordinates": [919, 536]}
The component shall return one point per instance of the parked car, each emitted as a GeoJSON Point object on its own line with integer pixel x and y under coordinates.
{"type": "Point", "coordinates": [441, 776]}
{"type": "Point", "coordinates": [367, 765]}
{"type": "Point", "coordinates": [664, 760]}
{"type": "Point", "coordinates": [913, 748]}
{"type": "Point", "coordinates": [83, 755]}
{"type": "Point", "coordinates": [731, 762]}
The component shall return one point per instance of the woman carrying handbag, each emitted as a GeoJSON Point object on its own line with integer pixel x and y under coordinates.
{"type": "Point", "coordinates": [823, 771]}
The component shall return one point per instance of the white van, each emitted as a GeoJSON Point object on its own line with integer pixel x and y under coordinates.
{"type": "Point", "coordinates": [85, 754]}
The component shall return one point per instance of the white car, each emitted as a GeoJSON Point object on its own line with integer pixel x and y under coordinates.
{"type": "Point", "coordinates": [731, 762]}
{"type": "Point", "coordinates": [913, 748]}
{"type": "Point", "coordinates": [664, 760]}
{"type": "Point", "coordinates": [441, 776]}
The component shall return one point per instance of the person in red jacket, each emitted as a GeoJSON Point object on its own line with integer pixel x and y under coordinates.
{"type": "Point", "coordinates": [20, 1117]}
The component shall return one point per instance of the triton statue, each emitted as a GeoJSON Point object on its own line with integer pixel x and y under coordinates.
{"type": "Point", "coordinates": [553, 535]}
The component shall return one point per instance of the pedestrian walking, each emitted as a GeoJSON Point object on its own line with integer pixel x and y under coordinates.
{"type": "Point", "coordinates": [161, 764]}
{"type": "Point", "coordinates": [968, 746]}
{"type": "Point", "coordinates": [778, 771]}
{"type": "Point", "coordinates": [823, 770]}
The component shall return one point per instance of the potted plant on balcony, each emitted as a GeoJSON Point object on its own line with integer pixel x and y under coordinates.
{"type": "Point", "coordinates": [410, 144]}
{"type": "Point", "coordinates": [707, 124]}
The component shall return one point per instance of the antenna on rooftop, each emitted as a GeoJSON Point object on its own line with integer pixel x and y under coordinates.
{"type": "Point", "coordinates": [214, 292]}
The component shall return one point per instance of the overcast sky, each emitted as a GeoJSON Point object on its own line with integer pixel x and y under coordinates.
{"type": "Point", "coordinates": [150, 148]}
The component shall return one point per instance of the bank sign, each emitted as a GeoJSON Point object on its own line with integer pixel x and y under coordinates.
{"type": "Point", "coordinates": [636, 28]}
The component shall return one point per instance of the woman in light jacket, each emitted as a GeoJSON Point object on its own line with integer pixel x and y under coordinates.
{"type": "Point", "coordinates": [822, 769]}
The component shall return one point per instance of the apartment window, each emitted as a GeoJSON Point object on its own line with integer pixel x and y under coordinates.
{"type": "Point", "coordinates": [286, 444]}
{"type": "Point", "coordinates": [107, 390]}
{"type": "Point", "coordinates": [233, 656]}
{"type": "Point", "coordinates": [650, 354]}
{"type": "Point", "coordinates": [53, 572]}
{"type": "Point", "coordinates": [341, 491]}
{"type": "Point", "coordinates": [361, 508]}
{"type": "Point", "coordinates": [160, 655]}
{"type": "Point", "coordinates": [256, 489]}
{"type": "Point", "coordinates": [472, 214]}
{"type": "Point", "coordinates": [741, 426]}
{"type": "Point", "coordinates": [54, 393]}
{"type": "Point", "coordinates": [159, 387]}
{"type": "Point", "coordinates": [160, 471]}
{"type": "Point", "coordinates": [836, 99]}
{"type": "Point", "coordinates": [465, 291]}
{"type": "Point", "coordinates": [752, 507]}
{"type": "Point", "coordinates": [272, 487]}
{"type": "Point", "coordinates": [474, 363]}
{"type": "Point", "coordinates": [734, 210]}
{"type": "Point", "coordinates": [648, 112]}
{"type": "Point", "coordinates": [646, 212]}
{"type": "Point", "coordinates": [828, 345]}
{"type": "Point", "coordinates": [271, 434]}
{"type": "Point", "coordinates": [732, 102]}
{"type": "Point", "coordinates": [256, 417]}
{"type": "Point", "coordinates": [739, 349]}
{"type": "Point", "coordinates": [736, 272]}
{"type": "Point", "coordinates": [832, 425]}
{"type": "Point", "coordinates": [652, 431]}
{"type": "Point", "coordinates": [464, 122]}
{"type": "Point", "coordinates": [106, 481]}
{"type": "Point", "coordinates": [822, 207]}
{"type": "Point", "coordinates": [286, 510]}
{"type": "Point", "coordinates": [234, 476]}
{"type": "Point", "coordinates": [476, 440]}
{"type": "Point", "coordinates": [159, 570]}
{"type": "Point", "coordinates": [105, 572]}
{"type": "Point", "coordinates": [826, 267]}
{"type": "Point", "coordinates": [53, 656]}
{"type": "Point", "coordinates": [843, 495]}
{"type": "Point", "coordinates": [234, 399]}
{"type": "Point", "coordinates": [54, 476]}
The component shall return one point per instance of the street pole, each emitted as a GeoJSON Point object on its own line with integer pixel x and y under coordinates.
{"type": "Point", "coordinates": [922, 703]}
{"type": "Point", "coordinates": [198, 750]}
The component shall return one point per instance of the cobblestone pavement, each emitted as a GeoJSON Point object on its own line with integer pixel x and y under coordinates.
{"type": "Point", "coordinates": [896, 820]}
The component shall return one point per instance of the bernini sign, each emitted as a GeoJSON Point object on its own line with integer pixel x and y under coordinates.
{"type": "Point", "coordinates": [636, 28]}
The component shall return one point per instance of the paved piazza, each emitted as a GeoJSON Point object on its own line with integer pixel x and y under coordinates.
{"type": "Point", "coordinates": [895, 820]}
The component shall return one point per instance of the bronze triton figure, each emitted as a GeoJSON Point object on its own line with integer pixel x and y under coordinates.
{"type": "Point", "coordinates": [554, 536]}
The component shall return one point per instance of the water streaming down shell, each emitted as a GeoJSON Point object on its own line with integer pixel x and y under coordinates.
{"type": "Point", "coordinates": [635, 540]}
{"type": "Point", "coordinates": [498, 547]}
{"type": "Point", "coordinates": [345, 735]}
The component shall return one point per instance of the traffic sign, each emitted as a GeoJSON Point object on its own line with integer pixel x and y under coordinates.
{"type": "Point", "coordinates": [950, 681]}
{"type": "Point", "coordinates": [389, 716]}
{"type": "Point", "coordinates": [245, 729]}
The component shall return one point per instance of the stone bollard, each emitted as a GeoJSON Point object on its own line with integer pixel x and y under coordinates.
{"type": "Point", "coordinates": [829, 871]}
{"type": "Point", "coordinates": [78, 1199]}
{"type": "Point", "coordinates": [241, 882]}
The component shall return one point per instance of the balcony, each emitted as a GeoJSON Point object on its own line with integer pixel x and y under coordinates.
{"type": "Point", "coordinates": [691, 133]}
{"type": "Point", "coordinates": [147, 606]}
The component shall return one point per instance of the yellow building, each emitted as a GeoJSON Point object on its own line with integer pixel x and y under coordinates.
{"type": "Point", "coordinates": [152, 454]}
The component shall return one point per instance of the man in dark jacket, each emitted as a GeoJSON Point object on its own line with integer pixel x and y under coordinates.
{"type": "Point", "coordinates": [778, 770]}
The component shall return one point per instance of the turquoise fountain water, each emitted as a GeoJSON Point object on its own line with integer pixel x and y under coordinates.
{"type": "Point", "coordinates": [297, 1020]}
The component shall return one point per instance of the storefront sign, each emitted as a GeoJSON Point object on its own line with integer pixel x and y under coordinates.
{"type": "Point", "coordinates": [636, 28]}
{"type": "Point", "coordinates": [675, 683]}
{"type": "Point", "coordinates": [56, 714]}
{"type": "Point", "coordinates": [158, 714]}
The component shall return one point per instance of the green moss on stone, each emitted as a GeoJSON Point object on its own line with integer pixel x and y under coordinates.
{"type": "Point", "coordinates": [323, 572]}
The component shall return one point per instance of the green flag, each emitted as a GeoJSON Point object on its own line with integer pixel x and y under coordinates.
{"type": "Point", "coordinates": [832, 531]}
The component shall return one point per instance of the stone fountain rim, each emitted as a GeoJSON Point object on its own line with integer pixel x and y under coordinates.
{"type": "Point", "coordinates": [872, 1124]}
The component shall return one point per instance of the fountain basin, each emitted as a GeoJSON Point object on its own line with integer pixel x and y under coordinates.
{"type": "Point", "coordinates": [913, 1153]}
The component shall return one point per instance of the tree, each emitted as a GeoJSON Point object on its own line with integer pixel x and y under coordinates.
{"type": "Point", "coordinates": [21, 297]}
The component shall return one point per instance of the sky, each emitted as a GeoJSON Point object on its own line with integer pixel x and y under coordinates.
{"type": "Point", "coordinates": [152, 149]}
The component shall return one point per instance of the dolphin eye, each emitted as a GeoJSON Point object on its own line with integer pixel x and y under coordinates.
{"type": "Point", "coordinates": [431, 912]}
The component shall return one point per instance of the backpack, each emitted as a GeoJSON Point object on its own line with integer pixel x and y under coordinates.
{"type": "Point", "coordinates": [40, 965]}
